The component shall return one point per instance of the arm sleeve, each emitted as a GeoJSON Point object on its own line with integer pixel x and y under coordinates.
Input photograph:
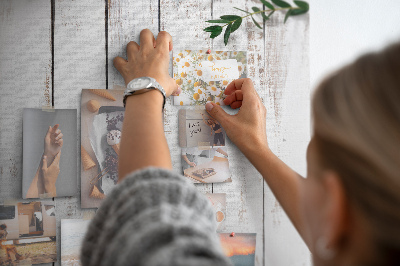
{"type": "Point", "coordinates": [153, 217]}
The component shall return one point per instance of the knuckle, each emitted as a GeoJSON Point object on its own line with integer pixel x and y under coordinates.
{"type": "Point", "coordinates": [131, 45]}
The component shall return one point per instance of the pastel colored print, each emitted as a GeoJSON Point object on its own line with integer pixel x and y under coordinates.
{"type": "Point", "coordinates": [203, 77]}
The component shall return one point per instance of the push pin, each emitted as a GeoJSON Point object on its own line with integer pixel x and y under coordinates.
{"type": "Point", "coordinates": [208, 51]}
{"type": "Point", "coordinates": [232, 234]}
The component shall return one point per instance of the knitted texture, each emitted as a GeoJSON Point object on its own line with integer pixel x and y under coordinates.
{"type": "Point", "coordinates": [153, 217]}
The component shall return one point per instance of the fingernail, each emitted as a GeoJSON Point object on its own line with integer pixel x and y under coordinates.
{"type": "Point", "coordinates": [44, 157]}
{"type": "Point", "coordinates": [179, 90]}
{"type": "Point", "coordinates": [209, 106]}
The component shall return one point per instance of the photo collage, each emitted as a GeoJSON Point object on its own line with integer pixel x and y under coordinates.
{"type": "Point", "coordinates": [28, 229]}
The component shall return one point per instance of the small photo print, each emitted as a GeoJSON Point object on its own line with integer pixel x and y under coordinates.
{"type": "Point", "coordinates": [198, 128]}
{"type": "Point", "coordinates": [28, 233]}
{"type": "Point", "coordinates": [204, 76]}
{"type": "Point", "coordinates": [239, 248]}
{"type": "Point", "coordinates": [102, 114]}
{"type": "Point", "coordinates": [218, 201]}
{"type": "Point", "coordinates": [49, 153]}
{"type": "Point", "coordinates": [206, 165]}
{"type": "Point", "coordinates": [73, 232]}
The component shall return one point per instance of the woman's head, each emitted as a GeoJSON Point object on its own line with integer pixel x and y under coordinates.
{"type": "Point", "coordinates": [3, 226]}
{"type": "Point", "coordinates": [355, 156]}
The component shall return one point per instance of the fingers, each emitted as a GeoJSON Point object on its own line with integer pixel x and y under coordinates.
{"type": "Point", "coordinates": [217, 113]}
{"type": "Point", "coordinates": [177, 92]}
{"type": "Point", "coordinates": [234, 99]}
{"type": "Point", "coordinates": [44, 163]}
{"type": "Point", "coordinates": [245, 85]}
{"type": "Point", "coordinates": [55, 128]}
{"type": "Point", "coordinates": [131, 49]}
{"type": "Point", "coordinates": [164, 41]}
{"type": "Point", "coordinates": [119, 63]}
{"type": "Point", "coordinates": [48, 132]}
{"type": "Point", "coordinates": [59, 136]}
{"type": "Point", "coordinates": [60, 142]}
{"type": "Point", "coordinates": [146, 40]}
{"type": "Point", "coordinates": [57, 159]}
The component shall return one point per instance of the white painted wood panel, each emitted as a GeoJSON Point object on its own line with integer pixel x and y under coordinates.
{"type": "Point", "coordinates": [25, 80]}
{"type": "Point", "coordinates": [288, 127]}
{"type": "Point", "coordinates": [125, 21]}
{"type": "Point", "coordinates": [244, 196]}
{"type": "Point", "coordinates": [79, 62]}
{"type": "Point", "coordinates": [185, 21]}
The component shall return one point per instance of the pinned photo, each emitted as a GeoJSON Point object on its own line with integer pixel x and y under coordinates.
{"type": "Point", "coordinates": [206, 165]}
{"type": "Point", "coordinates": [204, 76]}
{"type": "Point", "coordinates": [28, 233]}
{"type": "Point", "coordinates": [73, 232]}
{"type": "Point", "coordinates": [197, 129]}
{"type": "Point", "coordinates": [240, 248]}
{"type": "Point", "coordinates": [49, 153]}
{"type": "Point", "coordinates": [102, 114]}
{"type": "Point", "coordinates": [218, 201]}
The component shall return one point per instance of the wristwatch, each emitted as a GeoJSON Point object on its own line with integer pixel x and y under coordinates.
{"type": "Point", "coordinates": [142, 85]}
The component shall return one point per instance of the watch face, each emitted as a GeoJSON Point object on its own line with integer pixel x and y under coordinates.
{"type": "Point", "coordinates": [140, 83]}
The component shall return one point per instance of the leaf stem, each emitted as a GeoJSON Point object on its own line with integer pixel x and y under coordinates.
{"type": "Point", "coordinates": [262, 11]}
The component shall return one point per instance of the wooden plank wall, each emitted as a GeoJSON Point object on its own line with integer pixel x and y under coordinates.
{"type": "Point", "coordinates": [85, 36]}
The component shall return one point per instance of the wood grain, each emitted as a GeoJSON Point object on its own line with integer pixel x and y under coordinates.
{"type": "Point", "coordinates": [185, 21]}
{"type": "Point", "coordinates": [25, 80]}
{"type": "Point", "coordinates": [288, 126]}
{"type": "Point", "coordinates": [244, 195]}
{"type": "Point", "coordinates": [277, 62]}
{"type": "Point", "coordinates": [79, 62]}
{"type": "Point", "coordinates": [125, 21]}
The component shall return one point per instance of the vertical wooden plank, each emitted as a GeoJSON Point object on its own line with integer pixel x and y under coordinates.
{"type": "Point", "coordinates": [185, 21]}
{"type": "Point", "coordinates": [244, 195]}
{"type": "Point", "coordinates": [288, 126]}
{"type": "Point", "coordinates": [25, 80]}
{"type": "Point", "coordinates": [79, 62]}
{"type": "Point", "coordinates": [125, 21]}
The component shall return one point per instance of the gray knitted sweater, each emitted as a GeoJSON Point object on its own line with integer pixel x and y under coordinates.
{"type": "Point", "coordinates": [153, 217]}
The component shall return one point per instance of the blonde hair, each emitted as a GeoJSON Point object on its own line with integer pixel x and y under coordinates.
{"type": "Point", "coordinates": [356, 115]}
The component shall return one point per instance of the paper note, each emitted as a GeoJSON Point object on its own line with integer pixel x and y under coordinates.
{"type": "Point", "coordinates": [203, 77]}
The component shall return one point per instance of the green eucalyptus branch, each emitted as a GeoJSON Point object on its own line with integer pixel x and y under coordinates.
{"type": "Point", "coordinates": [233, 22]}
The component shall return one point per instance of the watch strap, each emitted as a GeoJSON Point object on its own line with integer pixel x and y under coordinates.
{"type": "Point", "coordinates": [154, 86]}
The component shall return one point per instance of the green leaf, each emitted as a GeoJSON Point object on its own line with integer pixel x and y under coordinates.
{"type": "Point", "coordinates": [296, 12]}
{"type": "Point", "coordinates": [255, 22]}
{"type": "Point", "coordinates": [227, 33]}
{"type": "Point", "coordinates": [265, 17]}
{"type": "Point", "coordinates": [230, 17]}
{"type": "Point", "coordinates": [212, 28]}
{"type": "Point", "coordinates": [242, 10]}
{"type": "Point", "coordinates": [216, 33]}
{"type": "Point", "coordinates": [270, 14]}
{"type": "Point", "coordinates": [217, 21]}
{"type": "Point", "coordinates": [302, 5]}
{"type": "Point", "coordinates": [281, 3]}
{"type": "Point", "coordinates": [287, 15]}
{"type": "Point", "coordinates": [267, 4]}
{"type": "Point", "coordinates": [236, 24]}
{"type": "Point", "coordinates": [255, 9]}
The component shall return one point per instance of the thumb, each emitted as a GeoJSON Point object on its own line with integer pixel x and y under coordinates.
{"type": "Point", "coordinates": [44, 163]}
{"type": "Point", "coordinates": [56, 159]}
{"type": "Point", "coordinates": [217, 113]}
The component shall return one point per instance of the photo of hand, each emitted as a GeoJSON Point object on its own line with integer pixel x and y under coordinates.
{"type": "Point", "coordinates": [44, 182]}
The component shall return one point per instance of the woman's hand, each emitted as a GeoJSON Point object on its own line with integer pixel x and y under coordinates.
{"type": "Point", "coordinates": [247, 129]}
{"type": "Point", "coordinates": [53, 142]}
{"type": "Point", "coordinates": [50, 174]}
{"type": "Point", "coordinates": [150, 59]}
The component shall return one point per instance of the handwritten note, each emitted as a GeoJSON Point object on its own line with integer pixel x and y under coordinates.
{"type": "Point", "coordinates": [219, 70]}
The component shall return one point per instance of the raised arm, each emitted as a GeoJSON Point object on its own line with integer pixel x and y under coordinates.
{"type": "Point", "coordinates": [143, 141]}
{"type": "Point", "coordinates": [251, 122]}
